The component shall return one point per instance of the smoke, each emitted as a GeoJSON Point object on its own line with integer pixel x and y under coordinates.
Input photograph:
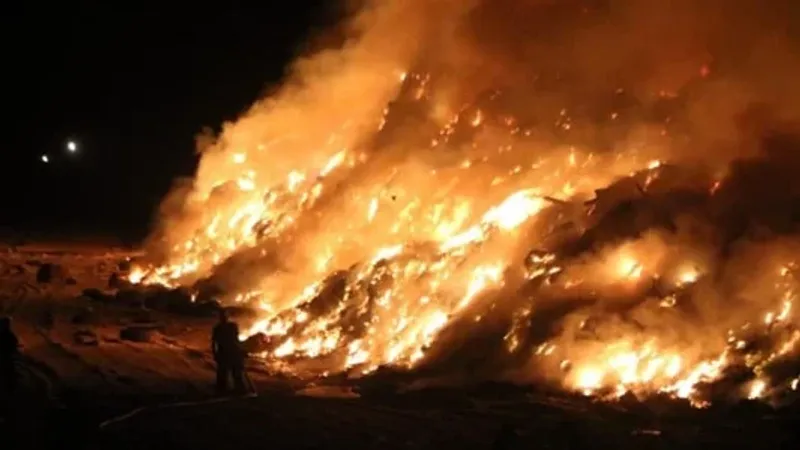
{"type": "Point", "coordinates": [328, 102]}
{"type": "Point", "coordinates": [699, 68]}
{"type": "Point", "coordinates": [662, 136]}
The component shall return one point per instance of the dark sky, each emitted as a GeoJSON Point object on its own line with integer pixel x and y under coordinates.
{"type": "Point", "coordinates": [132, 86]}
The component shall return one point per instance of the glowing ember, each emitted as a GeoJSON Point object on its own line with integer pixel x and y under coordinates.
{"type": "Point", "coordinates": [757, 389]}
{"type": "Point", "coordinates": [629, 268]}
{"type": "Point", "coordinates": [688, 276]}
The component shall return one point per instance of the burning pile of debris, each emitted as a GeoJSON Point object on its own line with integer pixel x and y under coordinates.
{"type": "Point", "coordinates": [440, 227]}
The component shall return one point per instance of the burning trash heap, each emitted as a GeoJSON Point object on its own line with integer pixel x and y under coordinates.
{"type": "Point", "coordinates": [453, 222]}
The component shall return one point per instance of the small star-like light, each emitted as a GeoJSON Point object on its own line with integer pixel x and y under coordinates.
{"type": "Point", "coordinates": [72, 146]}
{"type": "Point", "coordinates": [45, 159]}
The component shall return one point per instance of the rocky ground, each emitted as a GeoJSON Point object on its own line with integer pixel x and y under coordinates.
{"type": "Point", "coordinates": [104, 369]}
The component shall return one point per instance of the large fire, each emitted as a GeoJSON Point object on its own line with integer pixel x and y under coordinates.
{"type": "Point", "coordinates": [384, 217]}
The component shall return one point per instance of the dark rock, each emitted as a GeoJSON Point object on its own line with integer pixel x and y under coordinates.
{"type": "Point", "coordinates": [83, 316]}
{"type": "Point", "coordinates": [138, 333]}
{"type": "Point", "coordinates": [97, 295]}
{"type": "Point", "coordinates": [85, 337]}
{"type": "Point", "coordinates": [71, 281]}
{"type": "Point", "coordinates": [51, 273]}
{"type": "Point", "coordinates": [131, 298]}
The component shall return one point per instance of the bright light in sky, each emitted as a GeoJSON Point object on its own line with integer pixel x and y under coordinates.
{"type": "Point", "coordinates": [45, 159]}
{"type": "Point", "coordinates": [72, 146]}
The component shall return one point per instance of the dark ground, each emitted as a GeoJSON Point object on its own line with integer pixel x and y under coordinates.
{"type": "Point", "coordinates": [442, 419]}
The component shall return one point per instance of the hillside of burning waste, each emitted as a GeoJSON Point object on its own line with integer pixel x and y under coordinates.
{"type": "Point", "coordinates": [593, 195]}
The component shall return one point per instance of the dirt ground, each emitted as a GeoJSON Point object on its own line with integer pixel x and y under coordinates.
{"type": "Point", "coordinates": [117, 394]}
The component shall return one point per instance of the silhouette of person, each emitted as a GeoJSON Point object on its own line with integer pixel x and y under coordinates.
{"type": "Point", "coordinates": [228, 353]}
{"type": "Point", "coordinates": [9, 348]}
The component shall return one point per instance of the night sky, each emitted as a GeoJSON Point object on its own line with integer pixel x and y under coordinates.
{"type": "Point", "coordinates": [132, 87]}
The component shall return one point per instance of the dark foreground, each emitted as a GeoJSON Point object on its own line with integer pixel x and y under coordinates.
{"type": "Point", "coordinates": [424, 420]}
